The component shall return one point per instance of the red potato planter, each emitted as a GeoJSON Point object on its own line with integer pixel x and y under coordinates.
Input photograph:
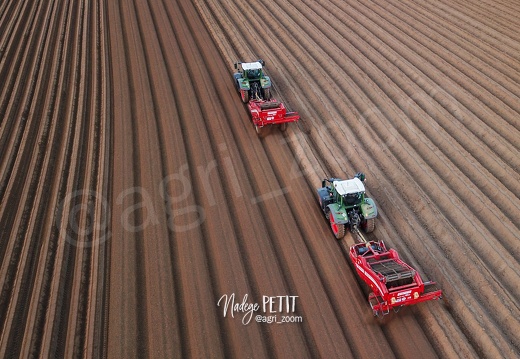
{"type": "Point", "coordinates": [393, 282]}
{"type": "Point", "coordinates": [268, 113]}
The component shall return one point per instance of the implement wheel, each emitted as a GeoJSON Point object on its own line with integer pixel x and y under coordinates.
{"type": "Point", "coordinates": [337, 229]}
{"type": "Point", "coordinates": [283, 127]}
{"type": "Point", "coordinates": [261, 131]}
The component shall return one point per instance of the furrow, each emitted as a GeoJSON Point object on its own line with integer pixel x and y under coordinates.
{"type": "Point", "coordinates": [55, 163]}
{"type": "Point", "coordinates": [9, 16]}
{"type": "Point", "coordinates": [41, 196]}
{"type": "Point", "coordinates": [450, 94]}
{"type": "Point", "coordinates": [502, 22]}
{"type": "Point", "coordinates": [127, 265]}
{"type": "Point", "coordinates": [13, 110]}
{"type": "Point", "coordinates": [95, 336]}
{"type": "Point", "coordinates": [21, 198]}
{"type": "Point", "coordinates": [470, 62]}
{"type": "Point", "coordinates": [486, 35]}
{"type": "Point", "coordinates": [55, 323]}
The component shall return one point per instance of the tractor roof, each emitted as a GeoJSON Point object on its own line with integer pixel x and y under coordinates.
{"type": "Point", "coordinates": [251, 65]}
{"type": "Point", "coordinates": [349, 186]}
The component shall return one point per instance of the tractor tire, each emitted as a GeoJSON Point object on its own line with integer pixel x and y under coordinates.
{"type": "Point", "coordinates": [337, 229]}
{"type": "Point", "coordinates": [244, 95]}
{"type": "Point", "coordinates": [267, 94]}
{"type": "Point", "coordinates": [283, 127]}
{"type": "Point", "coordinates": [369, 225]}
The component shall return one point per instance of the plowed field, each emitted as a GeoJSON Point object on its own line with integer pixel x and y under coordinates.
{"type": "Point", "coordinates": [136, 197]}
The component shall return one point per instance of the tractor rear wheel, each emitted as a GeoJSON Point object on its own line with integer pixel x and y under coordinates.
{"type": "Point", "coordinates": [337, 229]}
{"type": "Point", "coordinates": [267, 94]}
{"type": "Point", "coordinates": [244, 94]}
{"type": "Point", "coordinates": [369, 225]}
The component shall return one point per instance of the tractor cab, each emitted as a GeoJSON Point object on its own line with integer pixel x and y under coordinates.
{"type": "Point", "coordinates": [252, 70]}
{"type": "Point", "coordinates": [351, 192]}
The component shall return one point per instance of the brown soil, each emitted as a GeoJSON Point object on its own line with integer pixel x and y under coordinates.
{"type": "Point", "coordinates": [135, 193]}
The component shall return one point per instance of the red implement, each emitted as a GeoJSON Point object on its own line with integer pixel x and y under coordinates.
{"type": "Point", "coordinates": [271, 112]}
{"type": "Point", "coordinates": [393, 282]}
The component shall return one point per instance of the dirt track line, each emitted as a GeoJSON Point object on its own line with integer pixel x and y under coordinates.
{"type": "Point", "coordinates": [97, 320]}
{"type": "Point", "coordinates": [128, 265]}
{"type": "Point", "coordinates": [498, 9]}
{"type": "Point", "coordinates": [96, 316]}
{"type": "Point", "coordinates": [74, 334]}
{"type": "Point", "coordinates": [125, 326]}
{"type": "Point", "coordinates": [507, 6]}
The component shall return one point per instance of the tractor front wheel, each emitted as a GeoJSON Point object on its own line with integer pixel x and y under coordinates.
{"type": "Point", "coordinates": [337, 229]}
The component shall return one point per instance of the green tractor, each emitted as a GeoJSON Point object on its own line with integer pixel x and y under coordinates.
{"type": "Point", "coordinates": [344, 203]}
{"type": "Point", "coordinates": [251, 81]}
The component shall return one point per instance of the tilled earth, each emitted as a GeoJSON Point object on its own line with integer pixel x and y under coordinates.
{"type": "Point", "coordinates": [136, 196]}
